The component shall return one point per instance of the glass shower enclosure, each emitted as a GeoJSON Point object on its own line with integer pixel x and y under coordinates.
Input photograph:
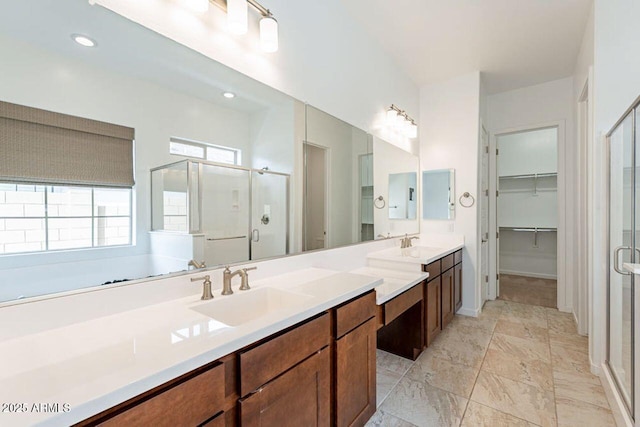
{"type": "Point", "coordinates": [241, 214]}
{"type": "Point", "coordinates": [624, 255]}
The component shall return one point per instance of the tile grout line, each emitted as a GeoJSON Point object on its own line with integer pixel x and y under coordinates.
{"type": "Point", "coordinates": [475, 382]}
{"type": "Point", "coordinates": [553, 377]}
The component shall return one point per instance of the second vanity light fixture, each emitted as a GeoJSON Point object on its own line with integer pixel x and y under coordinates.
{"type": "Point", "coordinates": [238, 18]}
{"type": "Point", "coordinates": [400, 121]}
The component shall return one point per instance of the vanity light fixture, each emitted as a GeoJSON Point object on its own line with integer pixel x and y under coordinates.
{"type": "Point", "coordinates": [83, 40]}
{"type": "Point", "coordinates": [238, 16]}
{"type": "Point", "coordinates": [400, 121]}
{"type": "Point", "coordinates": [197, 6]}
{"type": "Point", "coordinates": [228, 95]}
{"type": "Point", "coordinates": [238, 20]}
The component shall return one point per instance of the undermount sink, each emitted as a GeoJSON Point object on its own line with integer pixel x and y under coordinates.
{"type": "Point", "coordinates": [419, 251]}
{"type": "Point", "coordinates": [245, 306]}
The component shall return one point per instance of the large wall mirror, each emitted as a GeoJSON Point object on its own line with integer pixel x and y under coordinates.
{"type": "Point", "coordinates": [226, 168]}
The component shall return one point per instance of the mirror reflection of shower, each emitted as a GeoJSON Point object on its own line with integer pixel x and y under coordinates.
{"type": "Point", "coordinates": [219, 213]}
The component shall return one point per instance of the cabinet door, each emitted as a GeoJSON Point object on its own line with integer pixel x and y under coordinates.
{"type": "Point", "coordinates": [356, 376]}
{"type": "Point", "coordinates": [448, 299]}
{"type": "Point", "coordinates": [433, 320]}
{"type": "Point", "coordinates": [457, 291]}
{"type": "Point", "coordinates": [299, 397]}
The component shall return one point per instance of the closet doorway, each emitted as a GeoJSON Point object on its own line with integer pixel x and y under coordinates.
{"type": "Point", "coordinates": [527, 216]}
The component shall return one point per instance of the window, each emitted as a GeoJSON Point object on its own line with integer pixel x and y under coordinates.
{"type": "Point", "coordinates": [205, 151]}
{"type": "Point", "coordinates": [36, 218]}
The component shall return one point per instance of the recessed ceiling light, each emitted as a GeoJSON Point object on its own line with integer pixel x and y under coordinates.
{"type": "Point", "coordinates": [83, 40]}
{"type": "Point", "coordinates": [229, 95]}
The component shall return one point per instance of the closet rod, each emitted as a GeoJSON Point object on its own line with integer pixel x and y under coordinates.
{"type": "Point", "coordinates": [531, 175]}
{"type": "Point", "coordinates": [532, 230]}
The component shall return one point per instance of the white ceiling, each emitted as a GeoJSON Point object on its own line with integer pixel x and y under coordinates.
{"type": "Point", "coordinates": [515, 43]}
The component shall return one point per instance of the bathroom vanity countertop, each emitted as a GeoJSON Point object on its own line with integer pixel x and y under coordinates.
{"type": "Point", "coordinates": [416, 255]}
{"type": "Point", "coordinates": [394, 282]}
{"type": "Point", "coordinates": [94, 365]}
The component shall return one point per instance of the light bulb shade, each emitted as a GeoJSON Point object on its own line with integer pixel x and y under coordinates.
{"type": "Point", "coordinates": [197, 6]}
{"type": "Point", "coordinates": [238, 16]}
{"type": "Point", "coordinates": [413, 130]}
{"type": "Point", "coordinates": [269, 34]}
{"type": "Point", "coordinates": [392, 117]}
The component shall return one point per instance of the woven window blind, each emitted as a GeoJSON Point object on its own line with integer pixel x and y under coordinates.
{"type": "Point", "coordinates": [46, 147]}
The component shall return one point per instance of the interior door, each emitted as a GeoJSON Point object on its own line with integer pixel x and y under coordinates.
{"type": "Point", "coordinates": [315, 199]}
{"type": "Point", "coordinates": [622, 222]}
{"type": "Point", "coordinates": [269, 214]}
{"type": "Point", "coordinates": [484, 216]}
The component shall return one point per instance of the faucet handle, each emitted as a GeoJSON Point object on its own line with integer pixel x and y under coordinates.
{"type": "Point", "coordinates": [244, 284]}
{"type": "Point", "coordinates": [206, 287]}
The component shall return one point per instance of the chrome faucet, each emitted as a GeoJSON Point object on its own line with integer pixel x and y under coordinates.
{"type": "Point", "coordinates": [405, 242]}
{"type": "Point", "coordinates": [195, 264]}
{"type": "Point", "coordinates": [227, 275]}
{"type": "Point", "coordinates": [206, 286]}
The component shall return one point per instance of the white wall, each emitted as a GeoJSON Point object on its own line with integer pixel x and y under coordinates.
{"type": "Point", "coordinates": [325, 57]}
{"type": "Point", "coordinates": [449, 138]}
{"type": "Point", "coordinates": [536, 106]}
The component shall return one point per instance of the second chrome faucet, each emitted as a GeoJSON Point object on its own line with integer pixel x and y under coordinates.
{"type": "Point", "coordinates": [227, 275]}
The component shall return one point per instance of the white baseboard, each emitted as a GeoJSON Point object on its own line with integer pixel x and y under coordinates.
{"type": "Point", "coordinates": [616, 403]}
{"type": "Point", "coordinates": [529, 274]}
{"type": "Point", "coordinates": [468, 312]}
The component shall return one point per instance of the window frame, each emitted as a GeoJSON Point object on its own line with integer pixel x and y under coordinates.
{"type": "Point", "coordinates": [93, 217]}
{"type": "Point", "coordinates": [205, 146]}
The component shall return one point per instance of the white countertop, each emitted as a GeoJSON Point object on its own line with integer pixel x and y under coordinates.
{"type": "Point", "coordinates": [415, 255]}
{"type": "Point", "coordinates": [394, 282]}
{"type": "Point", "coordinates": [99, 363]}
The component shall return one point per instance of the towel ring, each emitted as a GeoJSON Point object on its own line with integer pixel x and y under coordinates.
{"type": "Point", "coordinates": [467, 195]}
{"type": "Point", "coordinates": [379, 199]}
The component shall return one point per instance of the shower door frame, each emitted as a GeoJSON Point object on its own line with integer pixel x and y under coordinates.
{"type": "Point", "coordinates": [634, 409]}
{"type": "Point", "coordinates": [192, 230]}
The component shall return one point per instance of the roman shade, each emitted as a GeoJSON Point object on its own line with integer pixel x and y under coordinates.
{"type": "Point", "coordinates": [39, 146]}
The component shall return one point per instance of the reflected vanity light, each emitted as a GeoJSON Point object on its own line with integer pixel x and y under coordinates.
{"type": "Point", "coordinates": [399, 121]}
{"type": "Point", "coordinates": [238, 19]}
{"type": "Point", "coordinates": [229, 95]}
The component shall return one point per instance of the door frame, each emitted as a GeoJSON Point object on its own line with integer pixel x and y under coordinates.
{"type": "Point", "coordinates": [484, 199]}
{"type": "Point", "coordinates": [564, 273]}
{"type": "Point", "coordinates": [327, 192]}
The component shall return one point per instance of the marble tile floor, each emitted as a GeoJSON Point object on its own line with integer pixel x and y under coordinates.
{"type": "Point", "coordinates": [529, 290]}
{"type": "Point", "coordinates": [514, 365]}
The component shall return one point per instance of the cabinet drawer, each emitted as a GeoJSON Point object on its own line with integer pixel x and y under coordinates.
{"type": "Point", "coordinates": [447, 262]}
{"type": "Point", "coordinates": [402, 303]}
{"type": "Point", "coordinates": [191, 402]}
{"type": "Point", "coordinates": [300, 397]}
{"type": "Point", "coordinates": [433, 269]}
{"type": "Point", "coordinates": [457, 257]}
{"type": "Point", "coordinates": [261, 364]}
{"type": "Point", "coordinates": [354, 313]}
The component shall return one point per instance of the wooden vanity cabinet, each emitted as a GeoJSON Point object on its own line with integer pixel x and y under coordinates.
{"type": "Point", "coordinates": [401, 323]}
{"type": "Point", "coordinates": [355, 362]}
{"type": "Point", "coordinates": [203, 396]}
{"type": "Point", "coordinates": [299, 397]}
{"type": "Point", "coordinates": [433, 318]}
{"type": "Point", "coordinates": [448, 299]}
{"type": "Point", "coordinates": [286, 380]}
{"type": "Point", "coordinates": [442, 293]}
{"type": "Point", "coordinates": [457, 285]}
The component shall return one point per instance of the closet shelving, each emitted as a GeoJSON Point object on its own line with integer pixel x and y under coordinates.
{"type": "Point", "coordinates": [534, 186]}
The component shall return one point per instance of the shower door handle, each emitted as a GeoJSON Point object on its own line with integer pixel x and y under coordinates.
{"type": "Point", "coordinates": [255, 235]}
{"type": "Point", "coordinates": [616, 259]}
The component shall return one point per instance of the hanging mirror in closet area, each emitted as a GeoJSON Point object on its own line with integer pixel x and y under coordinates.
{"type": "Point", "coordinates": [527, 216]}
